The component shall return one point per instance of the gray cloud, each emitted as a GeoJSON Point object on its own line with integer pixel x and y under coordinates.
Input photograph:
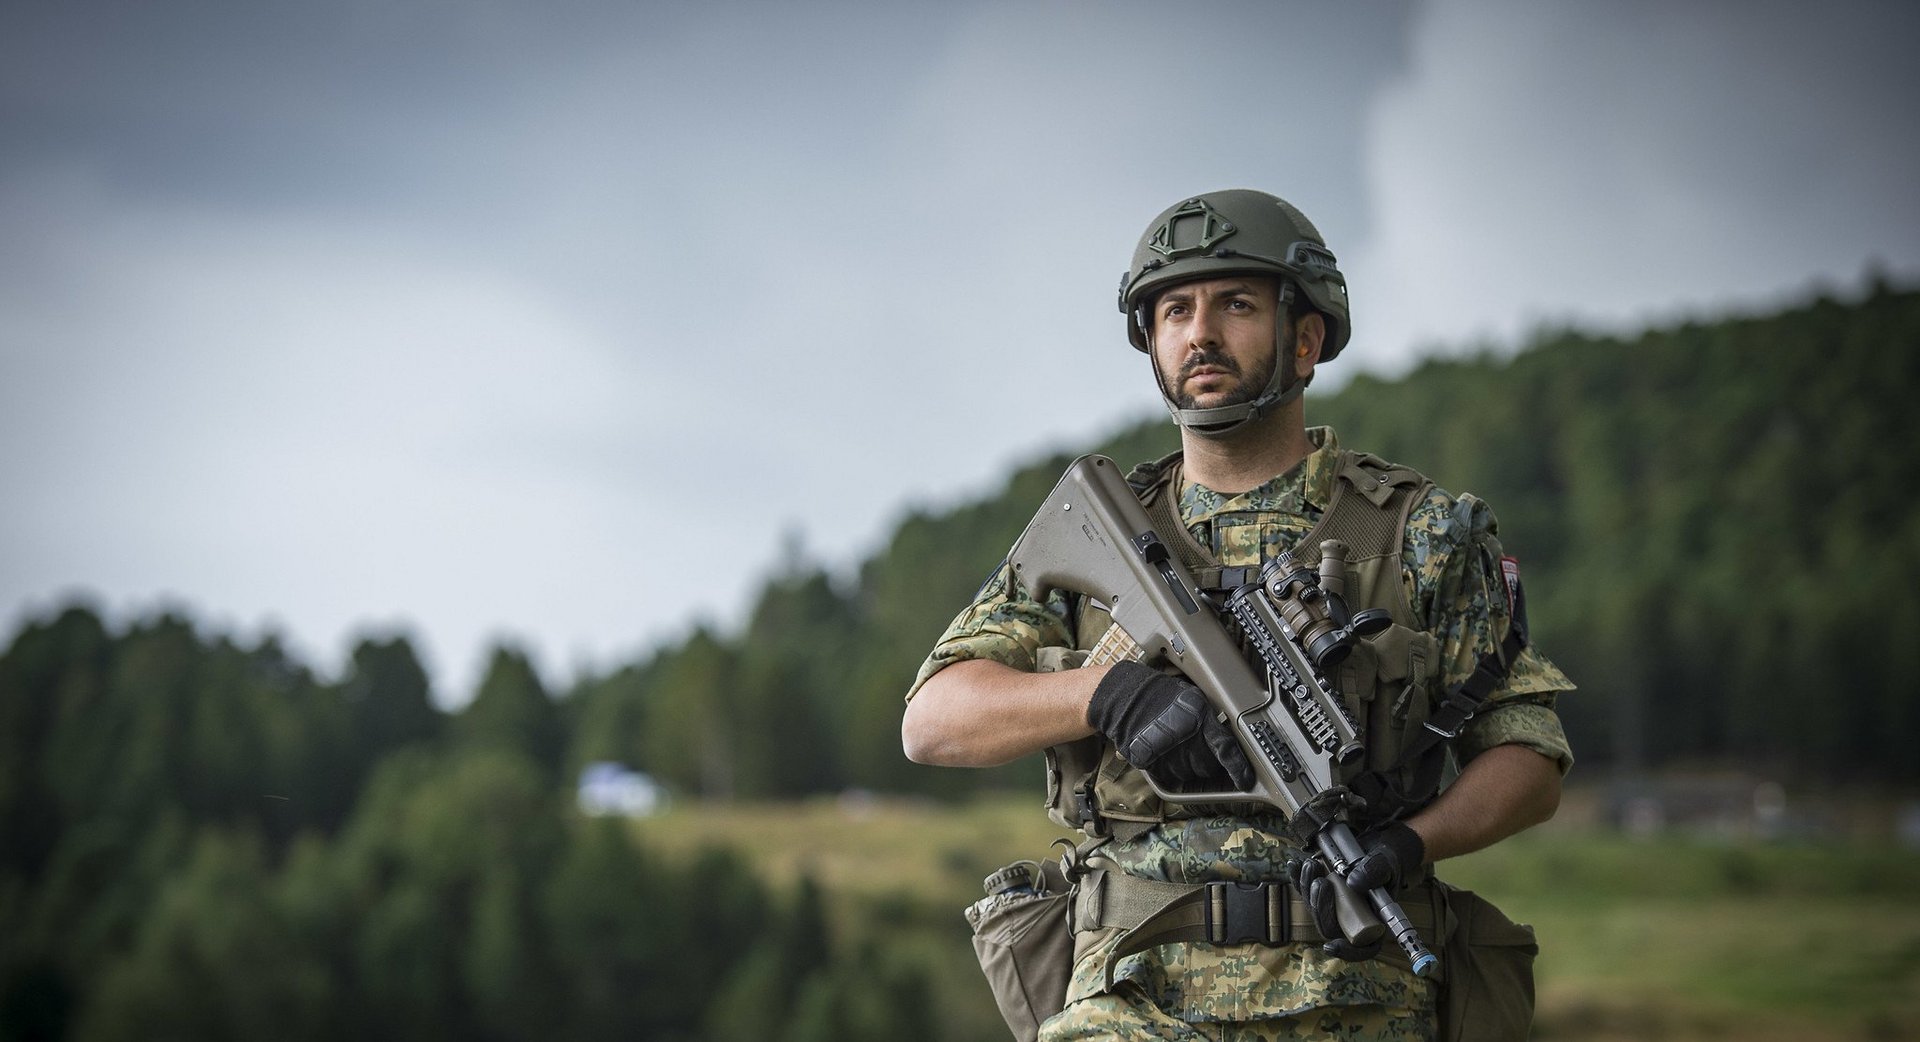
{"type": "Point", "coordinates": [549, 320]}
{"type": "Point", "coordinates": [1616, 164]}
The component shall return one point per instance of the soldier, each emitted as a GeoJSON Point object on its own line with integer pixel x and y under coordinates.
{"type": "Point", "coordinates": [1234, 298]}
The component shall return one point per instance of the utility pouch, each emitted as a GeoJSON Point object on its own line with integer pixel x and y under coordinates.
{"type": "Point", "coordinates": [1487, 995]}
{"type": "Point", "coordinates": [1023, 935]}
{"type": "Point", "coordinates": [1070, 766]}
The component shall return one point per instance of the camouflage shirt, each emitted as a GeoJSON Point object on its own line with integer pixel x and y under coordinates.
{"type": "Point", "coordinates": [1456, 592]}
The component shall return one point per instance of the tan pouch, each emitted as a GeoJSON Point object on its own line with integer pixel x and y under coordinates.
{"type": "Point", "coordinates": [1487, 994]}
{"type": "Point", "coordinates": [1023, 936]}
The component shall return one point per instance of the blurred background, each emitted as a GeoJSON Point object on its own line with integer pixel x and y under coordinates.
{"type": "Point", "coordinates": [479, 478]}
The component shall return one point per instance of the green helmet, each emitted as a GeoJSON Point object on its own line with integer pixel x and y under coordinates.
{"type": "Point", "coordinates": [1235, 232]}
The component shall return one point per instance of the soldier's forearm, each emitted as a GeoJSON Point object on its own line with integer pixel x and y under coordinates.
{"type": "Point", "coordinates": [983, 714]}
{"type": "Point", "coordinates": [1502, 791]}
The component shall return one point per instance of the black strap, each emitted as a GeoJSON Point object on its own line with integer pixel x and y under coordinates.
{"type": "Point", "coordinates": [1464, 699]}
{"type": "Point", "coordinates": [1459, 705]}
{"type": "Point", "coordinates": [1144, 476]}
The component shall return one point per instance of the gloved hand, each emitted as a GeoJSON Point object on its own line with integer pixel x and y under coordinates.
{"type": "Point", "coordinates": [1393, 855]}
{"type": "Point", "coordinates": [1315, 881]}
{"type": "Point", "coordinates": [1163, 725]}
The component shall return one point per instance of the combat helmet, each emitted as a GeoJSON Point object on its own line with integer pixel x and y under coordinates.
{"type": "Point", "coordinates": [1235, 232]}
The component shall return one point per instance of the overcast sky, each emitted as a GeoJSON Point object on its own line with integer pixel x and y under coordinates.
{"type": "Point", "coordinates": [554, 322]}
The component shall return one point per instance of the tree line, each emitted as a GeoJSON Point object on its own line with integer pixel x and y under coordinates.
{"type": "Point", "coordinates": [1718, 522]}
{"type": "Point", "coordinates": [203, 840]}
{"type": "Point", "coordinates": [1719, 531]}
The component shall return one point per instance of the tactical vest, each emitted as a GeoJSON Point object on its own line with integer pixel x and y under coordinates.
{"type": "Point", "coordinates": [1391, 682]}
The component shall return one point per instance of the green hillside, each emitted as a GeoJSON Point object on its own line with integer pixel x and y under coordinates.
{"type": "Point", "coordinates": [1713, 518]}
{"type": "Point", "coordinates": [199, 837]}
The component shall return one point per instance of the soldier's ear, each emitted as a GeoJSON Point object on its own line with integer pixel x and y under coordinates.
{"type": "Point", "coordinates": [1309, 336]}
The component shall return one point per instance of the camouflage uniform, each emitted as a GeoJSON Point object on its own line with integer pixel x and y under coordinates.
{"type": "Point", "coordinates": [1290, 991]}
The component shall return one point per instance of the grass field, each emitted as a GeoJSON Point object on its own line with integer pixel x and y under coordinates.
{"type": "Point", "coordinates": [1668, 938]}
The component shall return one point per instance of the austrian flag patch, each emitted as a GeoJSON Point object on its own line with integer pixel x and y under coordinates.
{"type": "Point", "coordinates": [1510, 574]}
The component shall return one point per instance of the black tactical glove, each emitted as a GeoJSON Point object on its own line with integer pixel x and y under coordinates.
{"type": "Point", "coordinates": [1314, 881]}
{"type": "Point", "coordinates": [1393, 855]}
{"type": "Point", "coordinates": [1164, 725]}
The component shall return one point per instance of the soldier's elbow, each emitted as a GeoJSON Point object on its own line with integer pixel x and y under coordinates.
{"type": "Point", "coordinates": [922, 739]}
{"type": "Point", "coordinates": [916, 745]}
{"type": "Point", "coordinates": [1546, 801]}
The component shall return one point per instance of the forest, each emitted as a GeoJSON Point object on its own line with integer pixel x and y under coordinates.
{"type": "Point", "coordinates": [204, 837]}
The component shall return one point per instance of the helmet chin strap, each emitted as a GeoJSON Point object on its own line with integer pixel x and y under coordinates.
{"type": "Point", "coordinates": [1221, 421]}
{"type": "Point", "coordinates": [1224, 420]}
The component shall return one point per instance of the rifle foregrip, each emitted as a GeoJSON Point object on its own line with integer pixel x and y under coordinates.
{"type": "Point", "coordinates": [1338, 844]}
{"type": "Point", "coordinates": [1356, 917]}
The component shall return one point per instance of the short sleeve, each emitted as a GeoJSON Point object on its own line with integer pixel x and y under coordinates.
{"type": "Point", "coordinates": [1453, 556]}
{"type": "Point", "coordinates": [1004, 624]}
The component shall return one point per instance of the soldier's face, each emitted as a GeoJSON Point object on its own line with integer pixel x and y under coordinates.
{"type": "Point", "coordinates": [1213, 340]}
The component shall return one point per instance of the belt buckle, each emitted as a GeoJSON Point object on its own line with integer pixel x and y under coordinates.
{"type": "Point", "coordinates": [1246, 913]}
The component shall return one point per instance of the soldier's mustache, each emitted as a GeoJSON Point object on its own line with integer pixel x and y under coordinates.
{"type": "Point", "coordinates": [1211, 357]}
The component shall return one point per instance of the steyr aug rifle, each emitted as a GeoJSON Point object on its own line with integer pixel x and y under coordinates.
{"type": "Point", "coordinates": [1259, 654]}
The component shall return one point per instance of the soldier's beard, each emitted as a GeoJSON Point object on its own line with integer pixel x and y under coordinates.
{"type": "Point", "coordinates": [1248, 390]}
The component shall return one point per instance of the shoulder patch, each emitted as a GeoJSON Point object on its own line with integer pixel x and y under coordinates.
{"type": "Point", "coordinates": [1510, 577]}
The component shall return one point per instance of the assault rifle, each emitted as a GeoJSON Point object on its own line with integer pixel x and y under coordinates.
{"type": "Point", "coordinates": [1094, 538]}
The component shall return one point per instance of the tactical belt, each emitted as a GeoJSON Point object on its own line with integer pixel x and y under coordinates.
{"type": "Point", "coordinates": [1151, 913]}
